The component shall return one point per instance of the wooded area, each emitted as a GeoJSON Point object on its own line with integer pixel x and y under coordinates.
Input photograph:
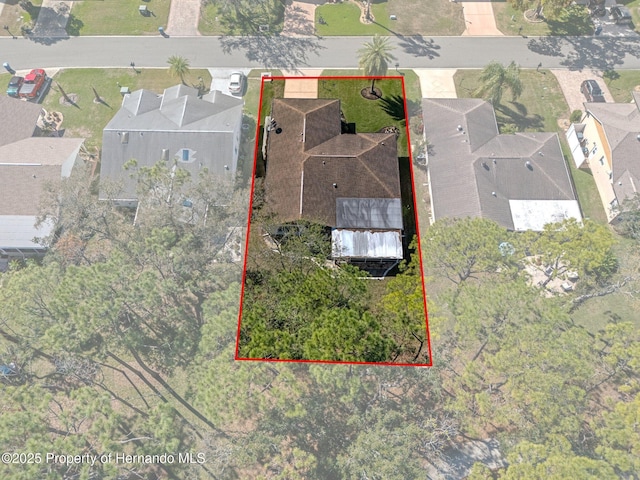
{"type": "Point", "coordinates": [123, 340]}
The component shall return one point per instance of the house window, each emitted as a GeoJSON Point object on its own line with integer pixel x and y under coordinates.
{"type": "Point", "coordinates": [186, 155]}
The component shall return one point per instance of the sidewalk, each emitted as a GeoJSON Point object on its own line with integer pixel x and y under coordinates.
{"type": "Point", "coordinates": [184, 16]}
{"type": "Point", "coordinates": [479, 19]}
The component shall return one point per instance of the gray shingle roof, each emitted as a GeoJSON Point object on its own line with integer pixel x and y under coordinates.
{"type": "Point", "coordinates": [149, 124]}
{"type": "Point", "coordinates": [475, 171]}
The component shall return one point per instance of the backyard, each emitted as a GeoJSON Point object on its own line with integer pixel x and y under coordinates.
{"type": "Point", "coordinates": [87, 118]}
{"type": "Point", "coordinates": [117, 17]}
{"type": "Point", "coordinates": [412, 17]}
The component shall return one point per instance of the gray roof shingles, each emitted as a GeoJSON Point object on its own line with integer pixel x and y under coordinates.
{"type": "Point", "coordinates": [475, 171]}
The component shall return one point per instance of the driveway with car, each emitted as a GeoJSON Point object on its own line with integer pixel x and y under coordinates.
{"type": "Point", "coordinates": [220, 78]}
{"type": "Point", "coordinates": [570, 81]}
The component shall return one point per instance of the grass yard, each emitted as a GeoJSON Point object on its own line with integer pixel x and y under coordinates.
{"type": "Point", "coordinates": [413, 17]}
{"type": "Point", "coordinates": [369, 115]}
{"type": "Point", "coordinates": [344, 19]}
{"type": "Point", "coordinates": [588, 195]}
{"type": "Point", "coordinates": [574, 20]}
{"type": "Point", "coordinates": [634, 7]}
{"type": "Point", "coordinates": [117, 17]}
{"type": "Point", "coordinates": [214, 22]}
{"type": "Point", "coordinates": [621, 83]}
{"type": "Point", "coordinates": [538, 108]}
{"type": "Point", "coordinates": [252, 95]}
{"type": "Point", "coordinates": [14, 17]}
{"type": "Point", "coordinates": [209, 23]}
{"type": "Point", "coordinates": [88, 119]}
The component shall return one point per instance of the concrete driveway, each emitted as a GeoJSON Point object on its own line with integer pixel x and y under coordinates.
{"type": "Point", "coordinates": [479, 19]}
{"type": "Point", "coordinates": [220, 78]}
{"type": "Point", "coordinates": [437, 83]}
{"type": "Point", "coordinates": [570, 84]}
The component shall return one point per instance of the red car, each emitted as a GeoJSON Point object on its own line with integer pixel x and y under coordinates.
{"type": "Point", "coordinates": [32, 83]}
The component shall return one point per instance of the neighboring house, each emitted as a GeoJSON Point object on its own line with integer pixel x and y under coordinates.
{"type": "Point", "coordinates": [607, 141]}
{"type": "Point", "coordinates": [520, 181]}
{"type": "Point", "coordinates": [27, 163]}
{"type": "Point", "coordinates": [349, 182]}
{"type": "Point", "coordinates": [177, 127]}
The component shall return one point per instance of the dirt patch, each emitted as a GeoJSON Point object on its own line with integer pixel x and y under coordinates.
{"type": "Point", "coordinates": [376, 94]}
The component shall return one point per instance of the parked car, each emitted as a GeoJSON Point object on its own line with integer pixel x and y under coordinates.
{"type": "Point", "coordinates": [621, 14]}
{"type": "Point", "coordinates": [236, 82]}
{"type": "Point", "coordinates": [14, 86]}
{"type": "Point", "coordinates": [591, 91]}
{"type": "Point", "coordinates": [33, 82]}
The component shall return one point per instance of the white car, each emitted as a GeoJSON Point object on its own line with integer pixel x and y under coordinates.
{"type": "Point", "coordinates": [236, 82]}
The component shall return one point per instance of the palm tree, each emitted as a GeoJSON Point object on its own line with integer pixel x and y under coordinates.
{"type": "Point", "coordinates": [375, 57]}
{"type": "Point", "coordinates": [178, 66]}
{"type": "Point", "coordinates": [495, 78]}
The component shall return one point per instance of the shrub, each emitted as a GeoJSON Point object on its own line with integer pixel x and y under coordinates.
{"type": "Point", "coordinates": [576, 115]}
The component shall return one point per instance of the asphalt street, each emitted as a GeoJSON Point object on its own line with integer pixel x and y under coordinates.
{"type": "Point", "coordinates": [313, 52]}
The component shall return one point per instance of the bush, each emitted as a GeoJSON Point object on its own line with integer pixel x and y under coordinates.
{"type": "Point", "coordinates": [576, 115]}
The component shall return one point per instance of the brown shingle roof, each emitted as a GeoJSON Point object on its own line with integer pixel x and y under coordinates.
{"type": "Point", "coordinates": [310, 155]}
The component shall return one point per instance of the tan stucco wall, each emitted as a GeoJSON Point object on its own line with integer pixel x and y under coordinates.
{"type": "Point", "coordinates": [595, 136]}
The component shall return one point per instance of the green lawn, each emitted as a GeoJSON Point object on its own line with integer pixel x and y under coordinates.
{"type": "Point", "coordinates": [634, 7]}
{"type": "Point", "coordinates": [252, 95]}
{"type": "Point", "coordinates": [574, 21]}
{"type": "Point", "coordinates": [214, 22]}
{"type": "Point", "coordinates": [622, 83]}
{"type": "Point", "coordinates": [89, 118]}
{"type": "Point", "coordinates": [588, 195]}
{"type": "Point", "coordinates": [344, 19]}
{"type": "Point", "coordinates": [117, 17]}
{"type": "Point", "coordinates": [538, 108]}
{"type": "Point", "coordinates": [369, 115]}
{"type": "Point", "coordinates": [209, 23]}
{"type": "Point", "coordinates": [413, 17]}
{"type": "Point", "coordinates": [14, 16]}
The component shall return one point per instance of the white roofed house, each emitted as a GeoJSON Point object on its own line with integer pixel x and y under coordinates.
{"type": "Point", "coordinates": [520, 181]}
{"type": "Point", "coordinates": [28, 162]}
{"type": "Point", "coordinates": [177, 127]}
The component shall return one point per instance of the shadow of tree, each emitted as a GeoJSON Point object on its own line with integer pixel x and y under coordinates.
{"type": "Point", "coordinates": [418, 46]}
{"type": "Point", "coordinates": [506, 115]}
{"type": "Point", "coordinates": [74, 25]}
{"type": "Point", "coordinates": [602, 53]}
{"type": "Point", "coordinates": [298, 23]}
{"type": "Point", "coordinates": [394, 107]}
{"type": "Point", "coordinates": [273, 51]}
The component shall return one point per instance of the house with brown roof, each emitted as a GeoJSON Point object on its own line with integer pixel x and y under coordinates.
{"type": "Point", "coordinates": [28, 161]}
{"type": "Point", "coordinates": [520, 181]}
{"type": "Point", "coordinates": [607, 141]}
{"type": "Point", "coordinates": [349, 182]}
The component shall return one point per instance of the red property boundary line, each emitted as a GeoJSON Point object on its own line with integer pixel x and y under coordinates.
{"type": "Point", "coordinates": [415, 214]}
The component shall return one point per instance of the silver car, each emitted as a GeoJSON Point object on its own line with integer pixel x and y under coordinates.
{"type": "Point", "coordinates": [236, 83]}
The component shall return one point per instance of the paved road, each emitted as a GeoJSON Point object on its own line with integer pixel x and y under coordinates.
{"type": "Point", "coordinates": [330, 52]}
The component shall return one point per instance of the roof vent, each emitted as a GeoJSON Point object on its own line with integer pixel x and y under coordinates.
{"type": "Point", "coordinates": [494, 194]}
{"type": "Point", "coordinates": [459, 128]}
{"type": "Point", "coordinates": [335, 185]}
{"type": "Point", "coordinates": [494, 161]}
{"type": "Point", "coordinates": [638, 137]}
{"type": "Point", "coordinates": [528, 165]}
{"type": "Point", "coordinates": [541, 154]}
{"type": "Point", "coordinates": [124, 138]}
{"type": "Point", "coordinates": [165, 155]}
